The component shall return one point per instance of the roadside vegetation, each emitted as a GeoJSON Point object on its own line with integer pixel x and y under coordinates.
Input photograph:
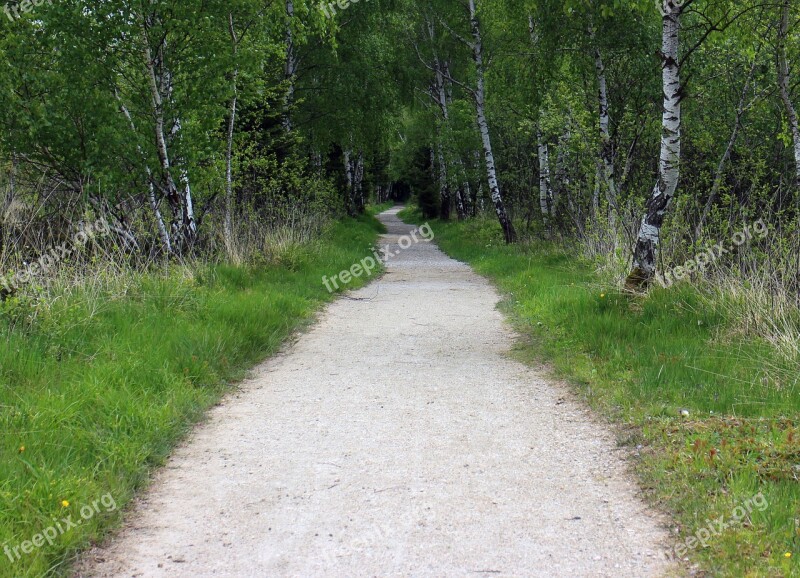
{"type": "Point", "coordinates": [708, 409]}
{"type": "Point", "coordinates": [99, 381]}
{"type": "Point", "coordinates": [169, 170]}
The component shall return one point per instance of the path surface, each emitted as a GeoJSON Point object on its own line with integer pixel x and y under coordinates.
{"type": "Point", "coordinates": [395, 438]}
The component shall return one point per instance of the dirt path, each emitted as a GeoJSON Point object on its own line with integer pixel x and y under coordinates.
{"type": "Point", "coordinates": [395, 438]}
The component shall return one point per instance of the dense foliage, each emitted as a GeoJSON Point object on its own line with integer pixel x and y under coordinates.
{"type": "Point", "coordinates": [628, 126]}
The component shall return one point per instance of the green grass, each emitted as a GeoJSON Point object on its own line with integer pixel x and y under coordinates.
{"type": "Point", "coordinates": [98, 389]}
{"type": "Point", "coordinates": [644, 362]}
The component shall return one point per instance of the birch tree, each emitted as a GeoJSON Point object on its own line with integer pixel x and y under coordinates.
{"type": "Point", "coordinates": [478, 95]}
{"type": "Point", "coordinates": [646, 247]}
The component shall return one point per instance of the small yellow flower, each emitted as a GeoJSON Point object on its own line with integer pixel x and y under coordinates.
{"type": "Point", "coordinates": [64, 504]}
{"type": "Point", "coordinates": [21, 449]}
{"type": "Point", "coordinates": [602, 295]}
{"type": "Point", "coordinates": [787, 555]}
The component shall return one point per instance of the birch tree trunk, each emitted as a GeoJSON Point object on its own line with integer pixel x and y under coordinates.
{"type": "Point", "coordinates": [174, 197]}
{"type": "Point", "coordinates": [348, 175]}
{"type": "Point", "coordinates": [606, 148]}
{"type": "Point", "coordinates": [439, 95]}
{"type": "Point", "coordinates": [291, 67]}
{"type": "Point", "coordinates": [561, 189]}
{"type": "Point", "coordinates": [228, 225]}
{"type": "Point", "coordinates": [783, 85]}
{"type": "Point", "coordinates": [645, 251]}
{"type": "Point", "coordinates": [545, 193]}
{"type": "Point", "coordinates": [151, 192]}
{"type": "Point", "coordinates": [463, 193]}
{"type": "Point", "coordinates": [480, 108]}
{"type": "Point", "coordinates": [188, 224]}
{"type": "Point", "coordinates": [358, 180]}
{"type": "Point", "coordinates": [444, 185]}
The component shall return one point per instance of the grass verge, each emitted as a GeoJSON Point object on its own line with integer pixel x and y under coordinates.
{"type": "Point", "coordinates": [711, 414]}
{"type": "Point", "coordinates": [96, 388]}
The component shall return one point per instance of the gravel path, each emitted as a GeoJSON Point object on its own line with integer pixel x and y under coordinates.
{"type": "Point", "coordinates": [395, 438]}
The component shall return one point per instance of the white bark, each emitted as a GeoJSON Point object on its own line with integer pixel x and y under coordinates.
{"type": "Point", "coordinates": [358, 179]}
{"type": "Point", "coordinates": [483, 126]}
{"type": "Point", "coordinates": [439, 95]}
{"type": "Point", "coordinates": [606, 152]}
{"type": "Point", "coordinates": [644, 258]}
{"type": "Point", "coordinates": [545, 193]}
{"type": "Point", "coordinates": [464, 193]}
{"type": "Point", "coordinates": [596, 193]}
{"type": "Point", "coordinates": [151, 193]}
{"type": "Point", "coordinates": [783, 85]}
{"type": "Point", "coordinates": [290, 69]}
{"type": "Point", "coordinates": [348, 170]}
{"type": "Point", "coordinates": [228, 226]}
{"type": "Point", "coordinates": [349, 174]}
{"type": "Point", "coordinates": [562, 180]}
{"type": "Point", "coordinates": [444, 186]}
{"type": "Point", "coordinates": [183, 225]}
{"type": "Point", "coordinates": [189, 224]}
{"type": "Point", "coordinates": [157, 103]}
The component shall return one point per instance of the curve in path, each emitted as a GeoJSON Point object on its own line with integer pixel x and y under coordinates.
{"type": "Point", "coordinates": [395, 438]}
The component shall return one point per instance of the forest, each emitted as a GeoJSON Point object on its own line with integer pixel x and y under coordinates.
{"type": "Point", "coordinates": [637, 137]}
{"type": "Point", "coordinates": [167, 165]}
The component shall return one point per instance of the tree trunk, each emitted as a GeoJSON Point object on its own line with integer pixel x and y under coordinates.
{"type": "Point", "coordinates": [358, 179]}
{"type": "Point", "coordinates": [183, 226]}
{"type": "Point", "coordinates": [545, 192]}
{"type": "Point", "coordinates": [783, 85]}
{"type": "Point", "coordinates": [444, 185]}
{"type": "Point", "coordinates": [349, 180]}
{"type": "Point", "coordinates": [291, 67]}
{"type": "Point", "coordinates": [463, 193]}
{"type": "Point", "coordinates": [494, 188]}
{"type": "Point", "coordinates": [645, 251]}
{"type": "Point", "coordinates": [606, 148]}
{"type": "Point", "coordinates": [440, 96]}
{"type": "Point", "coordinates": [189, 223]}
{"type": "Point", "coordinates": [151, 193]}
{"type": "Point", "coordinates": [228, 226]}
{"type": "Point", "coordinates": [561, 189]}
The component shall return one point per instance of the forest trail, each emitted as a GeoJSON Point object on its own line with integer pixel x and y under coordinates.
{"type": "Point", "coordinates": [394, 438]}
